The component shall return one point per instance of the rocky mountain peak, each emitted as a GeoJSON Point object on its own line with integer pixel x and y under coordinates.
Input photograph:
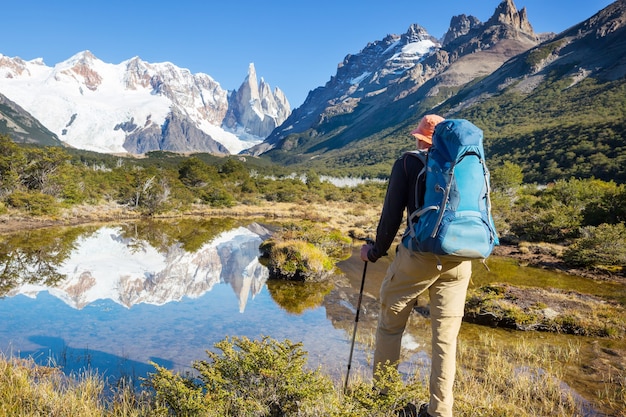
{"type": "Point", "coordinates": [250, 88]}
{"type": "Point", "coordinates": [83, 58]}
{"type": "Point", "coordinates": [255, 107]}
{"type": "Point", "coordinates": [11, 67]}
{"type": "Point", "coordinates": [415, 33]}
{"type": "Point", "coordinates": [81, 68]}
{"type": "Point", "coordinates": [507, 14]}
{"type": "Point", "coordinates": [460, 26]}
{"type": "Point", "coordinates": [507, 27]}
{"type": "Point", "coordinates": [137, 74]}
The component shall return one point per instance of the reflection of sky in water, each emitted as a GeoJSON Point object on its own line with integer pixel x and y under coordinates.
{"type": "Point", "coordinates": [95, 318]}
{"type": "Point", "coordinates": [125, 304]}
{"type": "Point", "coordinates": [110, 336]}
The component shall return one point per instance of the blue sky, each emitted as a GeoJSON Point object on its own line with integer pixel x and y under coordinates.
{"type": "Point", "coordinates": [294, 45]}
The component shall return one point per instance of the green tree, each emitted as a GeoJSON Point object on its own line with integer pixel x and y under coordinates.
{"type": "Point", "coordinates": [604, 245]}
{"type": "Point", "coordinates": [610, 207]}
{"type": "Point", "coordinates": [12, 162]}
{"type": "Point", "coordinates": [193, 172]}
{"type": "Point", "coordinates": [41, 167]}
{"type": "Point", "coordinates": [507, 177]}
{"type": "Point", "coordinates": [144, 189]}
{"type": "Point", "coordinates": [234, 169]}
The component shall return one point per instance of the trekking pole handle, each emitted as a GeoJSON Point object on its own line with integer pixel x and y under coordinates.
{"type": "Point", "coordinates": [366, 239]}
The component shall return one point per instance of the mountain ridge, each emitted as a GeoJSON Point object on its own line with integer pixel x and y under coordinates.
{"type": "Point", "coordinates": [22, 126]}
{"type": "Point", "coordinates": [136, 107]}
{"type": "Point", "coordinates": [485, 45]}
{"type": "Point", "coordinates": [532, 103]}
{"type": "Point", "coordinates": [519, 86]}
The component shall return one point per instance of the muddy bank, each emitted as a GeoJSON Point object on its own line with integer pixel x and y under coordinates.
{"type": "Point", "coordinates": [546, 310]}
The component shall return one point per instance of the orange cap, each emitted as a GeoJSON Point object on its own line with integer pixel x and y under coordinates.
{"type": "Point", "coordinates": [425, 129]}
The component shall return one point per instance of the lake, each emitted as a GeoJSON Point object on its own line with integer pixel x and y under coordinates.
{"type": "Point", "coordinates": [115, 298]}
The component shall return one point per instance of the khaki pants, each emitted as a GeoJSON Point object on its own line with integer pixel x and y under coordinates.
{"type": "Point", "coordinates": [409, 275]}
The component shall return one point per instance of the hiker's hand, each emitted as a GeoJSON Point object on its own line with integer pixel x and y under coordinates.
{"type": "Point", "coordinates": [364, 250]}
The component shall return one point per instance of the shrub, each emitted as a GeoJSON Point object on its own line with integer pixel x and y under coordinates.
{"type": "Point", "coordinates": [35, 203]}
{"type": "Point", "coordinates": [249, 378]}
{"type": "Point", "coordinates": [218, 197]}
{"type": "Point", "coordinates": [603, 245]}
{"type": "Point", "coordinates": [330, 241]}
{"type": "Point", "coordinates": [295, 260]}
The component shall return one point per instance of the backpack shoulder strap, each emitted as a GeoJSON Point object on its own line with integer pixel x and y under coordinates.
{"type": "Point", "coordinates": [422, 155]}
{"type": "Point", "coordinates": [420, 182]}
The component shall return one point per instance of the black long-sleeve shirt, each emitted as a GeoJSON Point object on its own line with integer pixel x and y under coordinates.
{"type": "Point", "coordinates": [401, 195]}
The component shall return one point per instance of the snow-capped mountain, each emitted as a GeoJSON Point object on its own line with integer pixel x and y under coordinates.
{"type": "Point", "coordinates": [107, 265]}
{"type": "Point", "coordinates": [137, 107]}
{"type": "Point", "coordinates": [367, 75]}
{"type": "Point", "coordinates": [392, 79]}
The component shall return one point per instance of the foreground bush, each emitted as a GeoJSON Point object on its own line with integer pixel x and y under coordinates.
{"type": "Point", "coordinates": [268, 378]}
{"type": "Point", "coordinates": [248, 378]}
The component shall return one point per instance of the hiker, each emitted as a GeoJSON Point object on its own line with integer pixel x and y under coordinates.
{"type": "Point", "coordinates": [410, 274]}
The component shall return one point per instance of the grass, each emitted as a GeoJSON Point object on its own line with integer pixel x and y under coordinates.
{"type": "Point", "coordinates": [493, 379]}
{"type": "Point", "coordinates": [560, 311]}
{"type": "Point", "coordinates": [519, 379]}
{"type": "Point", "coordinates": [28, 389]}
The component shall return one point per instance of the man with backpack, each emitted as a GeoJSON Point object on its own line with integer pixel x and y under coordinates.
{"type": "Point", "coordinates": [415, 271]}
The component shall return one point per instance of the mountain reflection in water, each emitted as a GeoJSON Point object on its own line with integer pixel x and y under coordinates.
{"type": "Point", "coordinates": [116, 298]}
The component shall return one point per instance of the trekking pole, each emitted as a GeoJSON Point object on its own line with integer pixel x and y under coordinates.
{"type": "Point", "coordinates": [356, 319]}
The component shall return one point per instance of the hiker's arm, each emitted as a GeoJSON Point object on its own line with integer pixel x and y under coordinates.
{"type": "Point", "coordinates": [392, 213]}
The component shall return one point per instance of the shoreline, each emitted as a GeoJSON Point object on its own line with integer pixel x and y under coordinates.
{"type": "Point", "coordinates": [339, 216]}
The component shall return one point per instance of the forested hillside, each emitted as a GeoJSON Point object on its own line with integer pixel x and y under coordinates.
{"type": "Point", "coordinates": [584, 217]}
{"type": "Point", "coordinates": [559, 131]}
{"type": "Point", "coordinates": [557, 109]}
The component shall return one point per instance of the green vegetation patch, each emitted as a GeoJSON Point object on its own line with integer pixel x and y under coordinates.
{"type": "Point", "coordinates": [561, 311]}
{"type": "Point", "coordinates": [304, 251]}
{"type": "Point", "coordinates": [243, 377]}
{"type": "Point", "coordinates": [539, 54]}
{"type": "Point", "coordinates": [295, 260]}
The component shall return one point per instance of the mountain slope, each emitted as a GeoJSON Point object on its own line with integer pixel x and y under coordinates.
{"type": "Point", "coordinates": [561, 107]}
{"type": "Point", "coordinates": [391, 80]}
{"type": "Point", "coordinates": [138, 107]}
{"type": "Point", "coordinates": [22, 126]}
{"type": "Point", "coordinates": [554, 104]}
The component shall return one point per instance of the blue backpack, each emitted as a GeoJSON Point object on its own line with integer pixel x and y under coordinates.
{"type": "Point", "coordinates": [455, 218]}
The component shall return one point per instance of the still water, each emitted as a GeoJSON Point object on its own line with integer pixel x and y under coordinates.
{"type": "Point", "coordinates": [115, 298]}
